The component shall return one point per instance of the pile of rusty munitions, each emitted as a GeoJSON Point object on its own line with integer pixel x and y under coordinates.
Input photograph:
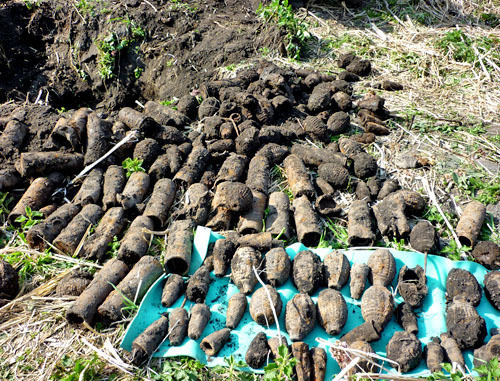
{"type": "Point", "coordinates": [208, 161]}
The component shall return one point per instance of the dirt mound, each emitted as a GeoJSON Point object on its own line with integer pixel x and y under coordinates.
{"type": "Point", "coordinates": [108, 54]}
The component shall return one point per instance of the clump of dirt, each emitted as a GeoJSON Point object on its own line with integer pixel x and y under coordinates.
{"type": "Point", "coordinates": [109, 53]}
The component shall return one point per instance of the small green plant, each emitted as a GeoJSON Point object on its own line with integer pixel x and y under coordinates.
{"type": "Point", "coordinates": [31, 4]}
{"type": "Point", "coordinates": [170, 102]}
{"type": "Point", "coordinates": [5, 200]}
{"type": "Point", "coordinates": [80, 369]}
{"type": "Point", "coordinates": [478, 186]}
{"type": "Point", "coordinates": [86, 7]}
{"type": "Point", "coordinates": [31, 218]}
{"type": "Point", "coordinates": [132, 165]}
{"type": "Point", "coordinates": [397, 244]}
{"type": "Point", "coordinates": [114, 245]}
{"type": "Point", "coordinates": [281, 13]}
{"type": "Point", "coordinates": [138, 72]}
{"type": "Point", "coordinates": [489, 371]}
{"type": "Point", "coordinates": [454, 252]}
{"type": "Point", "coordinates": [185, 369]}
{"type": "Point", "coordinates": [282, 367]}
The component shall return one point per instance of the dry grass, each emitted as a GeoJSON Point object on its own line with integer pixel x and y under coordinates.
{"type": "Point", "coordinates": [439, 91]}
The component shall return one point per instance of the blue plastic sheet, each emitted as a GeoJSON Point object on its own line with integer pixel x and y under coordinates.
{"type": "Point", "coordinates": [431, 317]}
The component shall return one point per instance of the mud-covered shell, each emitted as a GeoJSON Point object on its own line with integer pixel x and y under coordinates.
{"type": "Point", "coordinates": [332, 311]}
{"type": "Point", "coordinates": [242, 274]}
{"type": "Point", "coordinates": [277, 267]}
{"type": "Point", "coordinates": [261, 310]}
{"type": "Point", "coordinates": [336, 269]}
{"type": "Point", "coordinates": [492, 288]}
{"type": "Point", "coordinates": [462, 284]}
{"type": "Point", "coordinates": [236, 307]}
{"type": "Point", "coordinates": [412, 285]}
{"type": "Point", "coordinates": [300, 316]}
{"type": "Point", "coordinates": [316, 128]}
{"type": "Point", "coordinates": [405, 349]}
{"type": "Point", "coordinates": [465, 325]}
{"type": "Point", "coordinates": [359, 274]}
{"type": "Point", "coordinates": [233, 196]}
{"type": "Point", "coordinates": [383, 267]}
{"type": "Point", "coordinates": [365, 364]}
{"type": "Point", "coordinates": [377, 304]}
{"type": "Point", "coordinates": [307, 272]}
{"type": "Point", "coordinates": [9, 281]}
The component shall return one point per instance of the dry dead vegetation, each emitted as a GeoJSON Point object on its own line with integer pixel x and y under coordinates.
{"type": "Point", "coordinates": [446, 53]}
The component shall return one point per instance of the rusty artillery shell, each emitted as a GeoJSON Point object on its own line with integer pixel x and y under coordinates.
{"type": "Point", "coordinates": [319, 359]}
{"type": "Point", "coordinates": [111, 224]}
{"type": "Point", "coordinates": [214, 342]}
{"type": "Point", "coordinates": [164, 115]}
{"type": "Point", "coordinates": [259, 241]}
{"type": "Point", "coordinates": [366, 364]}
{"type": "Point", "coordinates": [470, 223]}
{"type": "Point", "coordinates": [85, 307]}
{"type": "Point", "coordinates": [133, 286]}
{"type": "Point", "coordinates": [135, 243]}
{"type": "Point", "coordinates": [275, 342]}
{"type": "Point", "coordinates": [258, 174]}
{"type": "Point", "coordinates": [465, 325]}
{"type": "Point", "coordinates": [192, 169]}
{"type": "Point", "coordinates": [232, 169]}
{"type": "Point", "coordinates": [74, 283]}
{"type": "Point", "coordinates": [406, 349]}
{"type": "Point", "coordinates": [135, 190]}
{"type": "Point", "coordinates": [487, 253]}
{"type": "Point", "coordinates": [377, 304]}
{"type": "Point", "coordinates": [99, 133]}
{"type": "Point", "coordinates": [311, 155]}
{"type": "Point", "coordinates": [368, 331]}
{"type": "Point", "coordinates": [492, 288]}
{"type": "Point", "coordinates": [45, 232]}
{"type": "Point", "coordinates": [383, 267]}
{"type": "Point", "coordinates": [261, 309]}
{"type": "Point", "coordinates": [359, 227]}
{"type": "Point", "coordinates": [257, 351]}
{"type": "Point", "coordinates": [196, 204]}
{"type": "Point", "coordinates": [423, 237]}
{"type": "Point", "coordinates": [306, 222]}
{"type": "Point", "coordinates": [236, 197]}
{"type": "Point", "coordinates": [200, 315]}
{"type": "Point", "coordinates": [135, 120]}
{"type": "Point", "coordinates": [198, 284]}
{"type": "Point", "coordinates": [9, 178]}
{"type": "Point", "coordinates": [69, 238]}
{"type": "Point", "coordinates": [39, 163]}
{"type": "Point", "coordinates": [12, 137]}
{"type": "Point", "coordinates": [336, 175]}
{"type": "Point", "coordinates": [298, 177]}
{"type": "Point", "coordinates": [434, 355]}
{"type": "Point", "coordinates": [277, 267]}
{"type": "Point", "coordinates": [147, 150]}
{"type": "Point", "coordinates": [359, 274]}
{"type": "Point", "coordinates": [278, 216]}
{"type": "Point", "coordinates": [72, 131]}
{"type": "Point", "coordinates": [236, 307]}
{"type": "Point", "coordinates": [9, 281]}
{"type": "Point", "coordinates": [337, 269]}
{"type": "Point", "coordinates": [179, 247]}
{"type": "Point", "coordinates": [148, 341]}
{"type": "Point", "coordinates": [307, 272]}
{"type": "Point", "coordinates": [252, 221]}
{"type": "Point", "coordinates": [160, 202]}
{"type": "Point", "coordinates": [35, 196]}
{"type": "Point", "coordinates": [242, 264]}
{"type": "Point", "coordinates": [114, 182]}
{"type": "Point", "coordinates": [390, 215]}
{"type": "Point", "coordinates": [174, 287]}
{"type": "Point", "coordinates": [300, 316]}
{"type": "Point", "coordinates": [411, 285]}
{"type": "Point", "coordinates": [91, 189]}
{"type": "Point", "coordinates": [406, 318]}
{"type": "Point", "coordinates": [167, 165]}
{"type": "Point", "coordinates": [303, 368]}
{"type": "Point", "coordinates": [332, 311]}
{"type": "Point", "coordinates": [178, 322]}
{"type": "Point", "coordinates": [462, 284]}
{"type": "Point", "coordinates": [223, 253]}
{"type": "Point", "coordinates": [48, 210]}
{"type": "Point", "coordinates": [451, 349]}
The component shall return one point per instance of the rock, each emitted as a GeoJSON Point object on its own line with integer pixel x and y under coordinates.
{"type": "Point", "coordinates": [487, 253]}
{"type": "Point", "coordinates": [406, 161]}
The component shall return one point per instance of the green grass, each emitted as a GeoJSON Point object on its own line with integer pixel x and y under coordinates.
{"type": "Point", "coordinates": [79, 369]}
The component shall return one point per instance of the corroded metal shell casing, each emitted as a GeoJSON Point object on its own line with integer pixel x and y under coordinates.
{"type": "Point", "coordinates": [337, 269]}
{"type": "Point", "coordinates": [462, 284]}
{"type": "Point", "coordinates": [492, 288]}
{"type": "Point", "coordinates": [383, 267]}
{"type": "Point", "coordinates": [332, 311]}
{"type": "Point", "coordinates": [277, 267]}
{"type": "Point", "coordinates": [300, 316]}
{"type": "Point", "coordinates": [242, 264]}
{"type": "Point", "coordinates": [261, 308]}
{"type": "Point", "coordinates": [365, 365]}
{"type": "Point", "coordinates": [412, 285]}
{"type": "Point", "coordinates": [236, 307]}
{"type": "Point", "coordinates": [377, 304]}
{"type": "Point", "coordinates": [214, 342]}
{"type": "Point", "coordinates": [307, 272]}
{"type": "Point", "coordinates": [465, 325]}
{"type": "Point", "coordinates": [359, 274]}
{"type": "Point", "coordinates": [406, 349]}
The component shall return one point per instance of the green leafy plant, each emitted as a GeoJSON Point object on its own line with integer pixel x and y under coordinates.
{"type": "Point", "coordinates": [114, 245]}
{"type": "Point", "coordinates": [132, 165]}
{"type": "Point", "coordinates": [281, 13]}
{"type": "Point", "coordinates": [282, 367]}
{"type": "Point", "coordinates": [170, 102]}
{"type": "Point", "coordinates": [184, 369]}
{"type": "Point", "coordinates": [138, 72]}
{"type": "Point", "coordinates": [31, 4]}
{"type": "Point", "coordinates": [80, 369]}
{"type": "Point", "coordinates": [5, 200]}
{"type": "Point", "coordinates": [477, 186]}
{"type": "Point", "coordinates": [489, 371]}
{"type": "Point", "coordinates": [454, 252]}
{"type": "Point", "coordinates": [31, 218]}
{"type": "Point", "coordinates": [28, 265]}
